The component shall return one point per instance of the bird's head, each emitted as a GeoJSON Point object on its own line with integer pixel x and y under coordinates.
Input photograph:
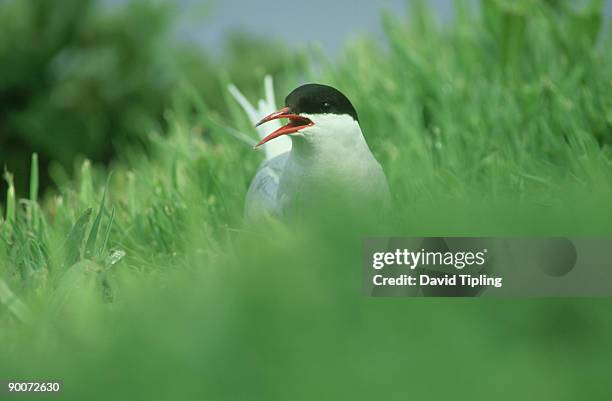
{"type": "Point", "coordinates": [314, 112]}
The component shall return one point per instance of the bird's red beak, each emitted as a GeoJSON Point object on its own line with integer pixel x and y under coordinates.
{"type": "Point", "coordinates": [296, 123]}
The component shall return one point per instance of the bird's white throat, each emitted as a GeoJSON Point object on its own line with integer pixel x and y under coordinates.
{"type": "Point", "coordinates": [331, 137]}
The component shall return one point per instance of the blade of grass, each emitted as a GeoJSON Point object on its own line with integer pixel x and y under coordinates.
{"type": "Point", "coordinates": [93, 234]}
{"type": "Point", "coordinates": [33, 205]}
{"type": "Point", "coordinates": [10, 198]}
{"type": "Point", "coordinates": [75, 238]}
{"type": "Point", "coordinates": [34, 178]}
{"type": "Point", "coordinates": [107, 234]}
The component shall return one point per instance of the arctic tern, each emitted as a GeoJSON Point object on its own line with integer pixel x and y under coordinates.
{"type": "Point", "coordinates": [320, 155]}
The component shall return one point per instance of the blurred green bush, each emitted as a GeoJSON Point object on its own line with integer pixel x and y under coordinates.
{"type": "Point", "coordinates": [78, 77]}
{"type": "Point", "coordinates": [84, 77]}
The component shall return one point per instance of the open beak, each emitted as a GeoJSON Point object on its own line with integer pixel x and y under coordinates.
{"type": "Point", "coordinates": [296, 123]}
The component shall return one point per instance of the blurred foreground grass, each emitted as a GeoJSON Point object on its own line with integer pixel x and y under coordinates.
{"type": "Point", "coordinates": [499, 125]}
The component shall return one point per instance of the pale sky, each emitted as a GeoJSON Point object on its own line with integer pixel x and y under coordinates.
{"type": "Point", "coordinates": [297, 22]}
{"type": "Point", "coordinates": [329, 23]}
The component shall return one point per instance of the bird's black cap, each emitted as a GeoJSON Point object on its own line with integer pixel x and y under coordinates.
{"type": "Point", "coordinates": [319, 99]}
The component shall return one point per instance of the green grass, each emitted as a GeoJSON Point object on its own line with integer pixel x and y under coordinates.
{"type": "Point", "coordinates": [145, 284]}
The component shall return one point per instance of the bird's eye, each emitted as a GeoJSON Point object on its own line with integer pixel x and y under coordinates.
{"type": "Point", "coordinates": [326, 106]}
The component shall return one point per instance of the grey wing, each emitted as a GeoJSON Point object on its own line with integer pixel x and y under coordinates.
{"type": "Point", "coordinates": [261, 199]}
